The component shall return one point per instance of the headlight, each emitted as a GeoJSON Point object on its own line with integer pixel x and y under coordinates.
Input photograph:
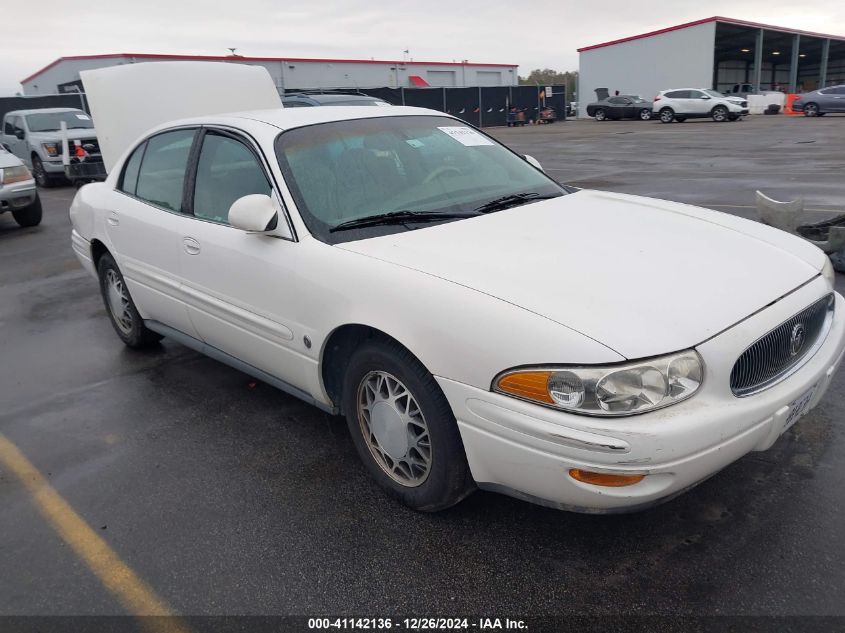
{"type": "Point", "coordinates": [52, 149]}
{"type": "Point", "coordinates": [614, 390]}
{"type": "Point", "coordinates": [11, 175]}
{"type": "Point", "coordinates": [828, 272]}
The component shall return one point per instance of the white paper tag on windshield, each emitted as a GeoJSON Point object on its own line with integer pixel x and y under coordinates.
{"type": "Point", "coordinates": [84, 117]}
{"type": "Point", "coordinates": [465, 135]}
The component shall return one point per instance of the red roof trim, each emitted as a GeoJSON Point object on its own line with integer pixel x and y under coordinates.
{"type": "Point", "coordinates": [707, 20]}
{"type": "Point", "coordinates": [227, 58]}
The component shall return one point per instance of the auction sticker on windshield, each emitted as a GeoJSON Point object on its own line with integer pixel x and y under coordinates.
{"type": "Point", "coordinates": [465, 135]}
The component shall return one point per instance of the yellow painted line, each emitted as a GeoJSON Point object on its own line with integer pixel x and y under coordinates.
{"type": "Point", "coordinates": [115, 575]}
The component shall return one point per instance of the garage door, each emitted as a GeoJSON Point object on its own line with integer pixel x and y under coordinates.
{"type": "Point", "coordinates": [489, 78]}
{"type": "Point", "coordinates": [441, 78]}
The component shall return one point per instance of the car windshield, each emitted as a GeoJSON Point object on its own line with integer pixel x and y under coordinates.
{"type": "Point", "coordinates": [52, 121]}
{"type": "Point", "coordinates": [714, 93]}
{"type": "Point", "coordinates": [347, 170]}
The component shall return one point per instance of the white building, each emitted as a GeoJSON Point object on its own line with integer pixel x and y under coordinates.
{"type": "Point", "coordinates": [295, 73]}
{"type": "Point", "coordinates": [713, 53]}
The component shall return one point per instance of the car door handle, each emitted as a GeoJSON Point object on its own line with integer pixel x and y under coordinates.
{"type": "Point", "coordinates": [113, 219]}
{"type": "Point", "coordinates": [192, 247]}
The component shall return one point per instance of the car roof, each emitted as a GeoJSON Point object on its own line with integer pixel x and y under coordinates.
{"type": "Point", "coordinates": [289, 118]}
{"type": "Point", "coordinates": [41, 111]}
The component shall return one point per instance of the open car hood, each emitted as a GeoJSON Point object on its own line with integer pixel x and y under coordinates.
{"type": "Point", "coordinates": [128, 100]}
{"type": "Point", "coordinates": [642, 276]}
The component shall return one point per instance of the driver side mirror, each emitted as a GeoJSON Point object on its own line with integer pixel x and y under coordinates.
{"type": "Point", "coordinates": [533, 162]}
{"type": "Point", "coordinates": [704, 97]}
{"type": "Point", "coordinates": [255, 213]}
{"type": "Point", "coordinates": [20, 134]}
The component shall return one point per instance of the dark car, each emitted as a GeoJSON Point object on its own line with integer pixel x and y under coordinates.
{"type": "Point", "coordinates": [820, 102]}
{"type": "Point", "coordinates": [304, 100]}
{"type": "Point", "coordinates": [620, 107]}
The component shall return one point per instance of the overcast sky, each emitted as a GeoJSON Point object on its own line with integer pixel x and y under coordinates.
{"type": "Point", "coordinates": [542, 33]}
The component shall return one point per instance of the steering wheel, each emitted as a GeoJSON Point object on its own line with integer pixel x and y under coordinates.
{"type": "Point", "coordinates": [439, 172]}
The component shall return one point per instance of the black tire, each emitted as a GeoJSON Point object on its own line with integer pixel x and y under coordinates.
{"type": "Point", "coordinates": [131, 331]}
{"type": "Point", "coordinates": [448, 479]}
{"type": "Point", "coordinates": [811, 109]}
{"type": "Point", "coordinates": [601, 114]}
{"type": "Point", "coordinates": [719, 114]}
{"type": "Point", "coordinates": [667, 115]}
{"type": "Point", "coordinates": [645, 114]}
{"type": "Point", "coordinates": [42, 179]}
{"type": "Point", "coordinates": [29, 216]}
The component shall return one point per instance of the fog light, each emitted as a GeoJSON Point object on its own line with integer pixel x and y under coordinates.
{"type": "Point", "coordinates": [603, 479]}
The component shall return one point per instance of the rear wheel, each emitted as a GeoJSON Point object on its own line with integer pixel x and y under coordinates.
{"type": "Point", "coordinates": [719, 114]}
{"type": "Point", "coordinates": [601, 115]}
{"type": "Point", "coordinates": [667, 115]}
{"type": "Point", "coordinates": [121, 309]}
{"type": "Point", "coordinates": [811, 109]}
{"type": "Point", "coordinates": [29, 216]}
{"type": "Point", "coordinates": [403, 428]}
{"type": "Point", "coordinates": [645, 114]}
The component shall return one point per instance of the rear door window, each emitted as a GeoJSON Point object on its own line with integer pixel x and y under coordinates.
{"type": "Point", "coordinates": [162, 173]}
{"type": "Point", "coordinates": [129, 180]}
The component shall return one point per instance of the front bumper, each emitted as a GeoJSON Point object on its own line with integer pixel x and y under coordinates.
{"type": "Point", "coordinates": [527, 451]}
{"type": "Point", "coordinates": [17, 195]}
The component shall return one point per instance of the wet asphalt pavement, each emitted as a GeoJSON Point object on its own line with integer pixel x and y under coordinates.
{"type": "Point", "coordinates": [230, 497]}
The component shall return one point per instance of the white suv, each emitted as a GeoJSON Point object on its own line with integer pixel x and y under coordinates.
{"type": "Point", "coordinates": [691, 103]}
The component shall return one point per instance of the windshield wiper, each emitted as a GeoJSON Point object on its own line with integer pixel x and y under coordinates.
{"type": "Point", "coordinates": [512, 200]}
{"type": "Point", "coordinates": [398, 217]}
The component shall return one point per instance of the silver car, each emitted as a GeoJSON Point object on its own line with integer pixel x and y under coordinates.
{"type": "Point", "coordinates": [34, 136]}
{"type": "Point", "coordinates": [17, 190]}
{"type": "Point", "coordinates": [820, 102]}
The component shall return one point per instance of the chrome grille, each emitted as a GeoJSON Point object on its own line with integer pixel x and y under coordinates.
{"type": "Point", "coordinates": [776, 354]}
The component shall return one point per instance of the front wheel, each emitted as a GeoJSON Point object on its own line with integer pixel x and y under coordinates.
{"type": "Point", "coordinates": [667, 115]}
{"type": "Point", "coordinates": [40, 175]}
{"type": "Point", "coordinates": [720, 114]}
{"type": "Point", "coordinates": [403, 428]}
{"type": "Point", "coordinates": [29, 216]}
{"type": "Point", "coordinates": [121, 309]}
{"type": "Point", "coordinates": [645, 114]}
{"type": "Point", "coordinates": [811, 109]}
{"type": "Point", "coordinates": [601, 115]}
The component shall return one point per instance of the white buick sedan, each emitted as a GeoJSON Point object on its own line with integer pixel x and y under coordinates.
{"type": "Point", "coordinates": [478, 324]}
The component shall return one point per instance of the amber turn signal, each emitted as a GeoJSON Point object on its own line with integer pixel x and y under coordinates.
{"type": "Point", "coordinates": [603, 479]}
{"type": "Point", "coordinates": [530, 385]}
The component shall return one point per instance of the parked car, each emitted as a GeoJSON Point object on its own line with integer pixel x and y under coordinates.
{"type": "Point", "coordinates": [697, 103]}
{"type": "Point", "coordinates": [820, 102]}
{"type": "Point", "coordinates": [409, 272]}
{"type": "Point", "coordinates": [34, 137]}
{"type": "Point", "coordinates": [17, 190]}
{"type": "Point", "coordinates": [304, 100]}
{"type": "Point", "coordinates": [620, 107]}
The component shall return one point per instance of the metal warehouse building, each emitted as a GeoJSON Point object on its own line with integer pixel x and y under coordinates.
{"type": "Point", "coordinates": [294, 73]}
{"type": "Point", "coordinates": [712, 53]}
